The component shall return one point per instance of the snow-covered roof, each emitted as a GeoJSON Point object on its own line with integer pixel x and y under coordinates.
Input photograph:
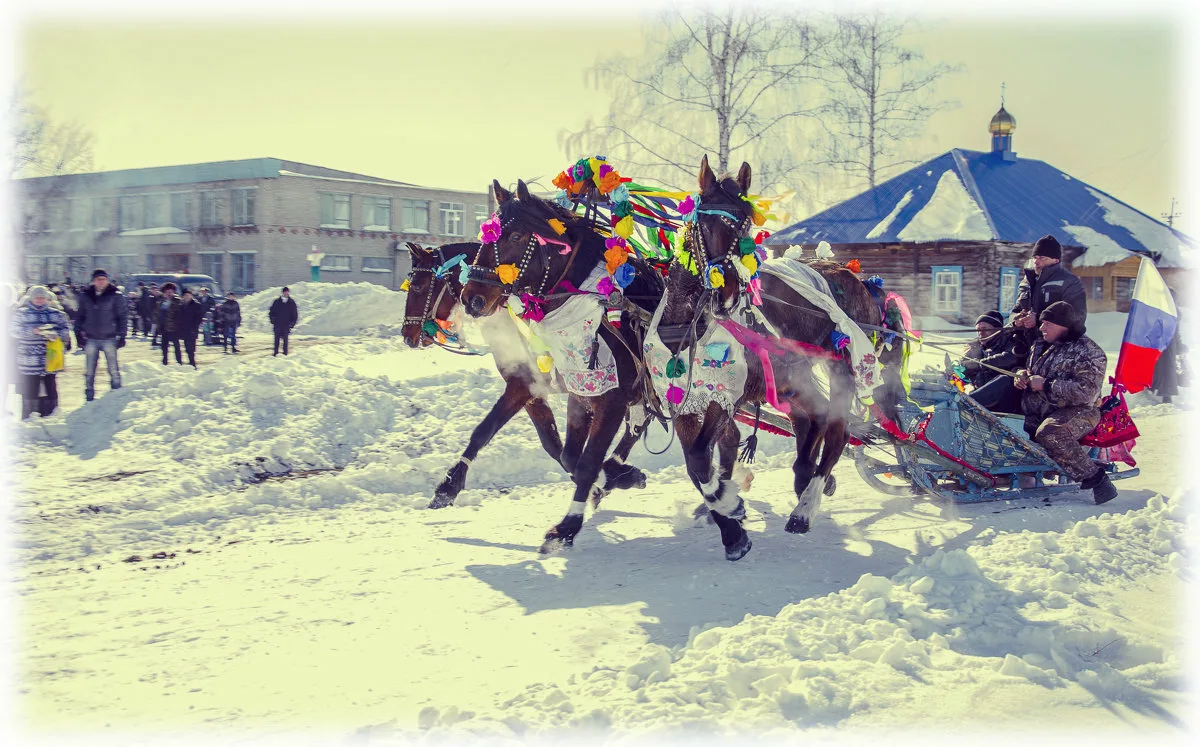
{"type": "Point", "coordinates": [965, 195]}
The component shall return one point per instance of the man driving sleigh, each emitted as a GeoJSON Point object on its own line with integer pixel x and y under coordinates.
{"type": "Point", "coordinates": [1061, 393]}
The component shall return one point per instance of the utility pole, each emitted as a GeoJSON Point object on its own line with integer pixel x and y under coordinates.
{"type": "Point", "coordinates": [1171, 216]}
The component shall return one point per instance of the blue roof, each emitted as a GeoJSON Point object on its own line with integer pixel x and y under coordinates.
{"type": "Point", "coordinates": [990, 198]}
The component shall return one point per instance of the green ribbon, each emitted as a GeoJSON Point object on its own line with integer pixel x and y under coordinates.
{"type": "Point", "coordinates": [430, 328]}
{"type": "Point", "coordinates": [676, 368]}
{"type": "Point", "coordinates": [746, 245]}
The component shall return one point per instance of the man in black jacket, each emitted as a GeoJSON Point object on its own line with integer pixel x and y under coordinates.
{"type": "Point", "coordinates": [997, 347]}
{"type": "Point", "coordinates": [191, 316]}
{"type": "Point", "coordinates": [229, 318]}
{"type": "Point", "coordinates": [283, 316]}
{"type": "Point", "coordinates": [208, 304]}
{"type": "Point", "coordinates": [1047, 283]}
{"type": "Point", "coordinates": [101, 324]}
{"type": "Point", "coordinates": [169, 326]}
{"type": "Point", "coordinates": [148, 311]}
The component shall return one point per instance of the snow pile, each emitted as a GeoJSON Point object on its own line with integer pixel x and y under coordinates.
{"type": "Point", "coordinates": [338, 309]}
{"type": "Point", "coordinates": [949, 214]}
{"type": "Point", "coordinates": [1027, 610]}
{"type": "Point", "coordinates": [1101, 249]}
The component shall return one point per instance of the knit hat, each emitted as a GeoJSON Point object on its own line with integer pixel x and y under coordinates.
{"type": "Point", "coordinates": [1047, 246]}
{"type": "Point", "coordinates": [99, 274]}
{"type": "Point", "coordinates": [40, 290]}
{"type": "Point", "coordinates": [1060, 313]}
{"type": "Point", "coordinates": [993, 318]}
{"type": "Point", "coordinates": [167, 286]}
{"type": "Point", "coordinates": [286, 289]}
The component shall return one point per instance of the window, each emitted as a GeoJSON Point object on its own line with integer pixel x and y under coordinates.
{"type": "Point", "coordinates": [1123, 288]}
{"type": "Point", "coordinates": [212, 264]}
{"type": "Point", "coordinates": [79, 215]}
{"type": "Point", "coordinates": [101, 213]}
{"type": "Point", "coordinates": [56, 216]}
{"type": "Point", "coordinates": [243, 207]}
{"type": "Point", "coordinates": [79, 269]}
{"type": "Point", "coordinates": [336, 262]}
{"type": "Point", "coordinates": [377, 213]}
{"type": "Point", "coordinates": [211, 209]}
{"type": "Point", "coordinates": [123, 265]}
{"type": "Point", "coordinates": [181, 209]}
{"type": "Point", "coordinates": [1010, 279]}
{"type": "Point", "coordinates": [242, 271]}
{"type": "Point", "coordinates": [156, 211]}
{"type": "Point", "coordinates": [29, 215]}
{"type": "Point", "coordinates": [104, 261]}
{"type": "Point", "coordinates": [481, 215]}
{"type": "Point", "coordinates": [416, 215]}
{"type": "Point", "coordinates": [55, 269]}
{"type": "Point", "coordinates": [335, 210]}
{"type": "Point", "coordinates": [452, 218]}
{"type": "Point", "coordinates": [947, 290]}
{"type": "Point", "coordinates": [34, 267]}
{"type": "Point", "coordinates": [1095, 288]}
{"type": "Point", "coordinates": [377, 264]}
{"type": "Point", "coordinates": [129, 213]}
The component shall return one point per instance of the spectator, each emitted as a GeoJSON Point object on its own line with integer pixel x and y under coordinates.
{"type": "Point", "coordinates": [283, 316]}
{"type": "Point", "coordinates": [191, 316]}
{"type": "Point", "coordinates": [36, 321]}
{"type": "Point", "coordinates": [229, 318]}
{"type": "Point", "coordinates": [168, 326]}
{"type": "Point", "coordinates": [101, 325]}
{"type": "Point", "coordinates": [208, 305]}
{"type": "Point", "coordinates": [148, 309]}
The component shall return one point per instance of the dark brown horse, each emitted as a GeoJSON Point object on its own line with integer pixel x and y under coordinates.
{"type": "Point", "coordinates": [531, 234]}
{"type": "Point", "coordinates": [819, 422]}
{"type": "Point", "coordinates": [433, 292]}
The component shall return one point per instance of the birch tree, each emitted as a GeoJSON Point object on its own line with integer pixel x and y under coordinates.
{"type": "Point", "coordinates": [881, 94]}
{"type": "Point", "coordinates": [42, 147]}
{"type": "Point", "coordinates": [718, 82]}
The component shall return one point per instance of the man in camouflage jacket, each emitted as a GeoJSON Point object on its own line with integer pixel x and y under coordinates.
{"type": "Point", "coordinates": [1061, 394]}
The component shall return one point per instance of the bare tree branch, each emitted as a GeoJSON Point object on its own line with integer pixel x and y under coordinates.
{"type": "Point", "coordinates": [41, 147]}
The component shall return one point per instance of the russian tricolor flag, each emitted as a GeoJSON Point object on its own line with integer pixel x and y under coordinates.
{"type": "Point", "coordinates": [1151, 325]}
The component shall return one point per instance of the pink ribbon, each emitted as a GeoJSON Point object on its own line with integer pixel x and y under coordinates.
{"type": "Point", "coordinates": [905, 316]}
{"type": "Point", "coordinates": [533, 308]}
{"type": "Point", "coordinates": [763, 346]}
{"type": "Point", "coordinates": [543, 241]}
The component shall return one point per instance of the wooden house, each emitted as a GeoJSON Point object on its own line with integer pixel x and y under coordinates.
{"type": "Point", "coordinates": [953, 234]}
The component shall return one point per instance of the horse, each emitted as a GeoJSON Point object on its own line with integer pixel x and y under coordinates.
{"type": "Point", "coordinates": [433, 292]}
{"type": "Point", "coordinates": [549, 280]}
{"type": "Point", "coordinates": [716, 241]}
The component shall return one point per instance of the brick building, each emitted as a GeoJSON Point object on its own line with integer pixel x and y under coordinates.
{"type": "Point", "coordinates": [249, 224]}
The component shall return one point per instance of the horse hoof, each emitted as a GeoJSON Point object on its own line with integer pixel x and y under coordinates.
{"type": "Point", "coordinates": [796, 525]}
{"type": "Point", "coordinates": [623, 477]}
{"type": "Point", "coordinates": [441, 500]}
{"type": "Point", "coordinates": [596, 496]}
{"type": "Point", "coordinates": [554, 545]}
{"type": "Point", "coordinates": [830, 485]}
{"type": "Point", "coordinates": [738, 549]}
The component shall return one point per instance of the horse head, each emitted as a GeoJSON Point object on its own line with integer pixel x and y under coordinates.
{"type": "Point", "coordinates": [433, 287]}
{"type": "Point", "coordinates": [723, 217]}
{"type": "Point", "coordinates": [528, 244]}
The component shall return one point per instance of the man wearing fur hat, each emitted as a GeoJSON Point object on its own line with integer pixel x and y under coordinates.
{"type": "Point", "coordinates": [1061, 394]}
{"type": "Point", "coordinates": [101, 325]}
{"type": "Point", "coordinates": [1045, 284]}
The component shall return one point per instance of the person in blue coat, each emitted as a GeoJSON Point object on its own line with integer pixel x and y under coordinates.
{"type": "Point", "coordinates": [35, 322]}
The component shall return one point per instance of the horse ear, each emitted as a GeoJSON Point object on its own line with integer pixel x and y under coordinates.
{"type": "Point", "coordinates": [522, 191]}
{"type": "Point", "coordinates": [743, 177]}
{"type": "Point", "coordinates": [502, 194]}
{"type": "Point", "coordinates": [414, 247]}
{"type": "Point", "coordinates": [707, 178]}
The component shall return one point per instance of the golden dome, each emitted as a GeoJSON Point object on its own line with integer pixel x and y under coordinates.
{"type": "Point", "coordinates": [1002, 123]}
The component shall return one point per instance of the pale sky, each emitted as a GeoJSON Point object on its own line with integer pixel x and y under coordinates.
{"type": "Point", "coordinates": [456, 104]}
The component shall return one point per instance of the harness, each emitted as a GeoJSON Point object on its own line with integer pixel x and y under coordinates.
{"type": "Point", "coordinates": [432, 302]}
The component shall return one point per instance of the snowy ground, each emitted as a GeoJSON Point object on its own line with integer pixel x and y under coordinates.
{"type": "Point", "coordinates": [244, 552]}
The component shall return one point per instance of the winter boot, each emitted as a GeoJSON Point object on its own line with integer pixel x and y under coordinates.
{"type": "Point", "coordinates": [1102, 488]}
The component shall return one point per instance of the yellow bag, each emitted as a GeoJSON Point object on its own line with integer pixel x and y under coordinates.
{"type": "Point", "coordinates": [54, 356]}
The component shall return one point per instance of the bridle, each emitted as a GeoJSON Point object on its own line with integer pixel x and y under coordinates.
{"type": "Point", "coordinates": [432, 302]}
{"type": "Point", "coordinates": [490, 276]}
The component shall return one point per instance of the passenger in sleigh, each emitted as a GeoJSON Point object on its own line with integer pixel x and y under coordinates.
{"type": "Point", "coordinates": [1061, 393]}
{"type": "Point", "coordinates": [995, 347]}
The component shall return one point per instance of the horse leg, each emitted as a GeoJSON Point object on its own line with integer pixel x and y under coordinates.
{"type": "Point", "coordinates": [727, 449]}
{"type": "Point", "coordinates": [579, 419]}
{"type": "Point", "coordinates": [836, 433]}
{"type": "Point", "coordinates": [542, 418]}
{"type": "Point", "coordinates": [698, 437]}
{"type": "Point", "coordinates": [516, 395]}
{"type": "Point", "coordinates": [607, 419]}
{"type": "Point", "coordinates": [808, 431]}
{"type": "Point", "coordinates": [617, 474]}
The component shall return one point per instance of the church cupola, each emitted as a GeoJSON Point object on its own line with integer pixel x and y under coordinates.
{"type": "Point", "coordinates": [1001, 127]}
